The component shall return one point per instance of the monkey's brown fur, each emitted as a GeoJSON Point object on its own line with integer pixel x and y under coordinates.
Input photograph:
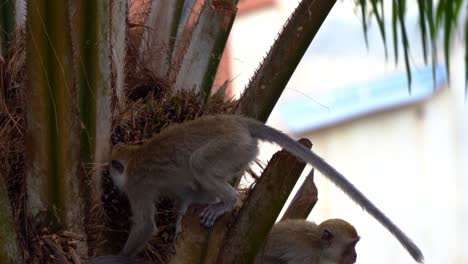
{"type": "Point", "coordinates": [189, 164]}
{"type": "Point", "coordinates": [192, 162]}
{"type": "Point", "coordinates": [299, 241]}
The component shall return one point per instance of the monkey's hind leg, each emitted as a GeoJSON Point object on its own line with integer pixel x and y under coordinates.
{"type": "Point", "coordinates": [143, 226]}
{"type": "Point", "coordinates": [221, 159]}
{"type": "Point", "coordinates": [228, 196]}
{"type": "Point", "coordinates": [217, 162]}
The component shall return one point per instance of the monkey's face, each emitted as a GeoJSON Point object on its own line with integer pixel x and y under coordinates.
{"type": "Point", "coordinates": [338, 248]}
{"type": "Point", "coordinates": [117, 172]}
{"type": "Point", "coordinates": [338, 240]}
{"type": "Point", "coordinates": [348, 253]}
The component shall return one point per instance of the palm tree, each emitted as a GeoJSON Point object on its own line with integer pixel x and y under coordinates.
{"type": "Point", "coordinates": [78, 76]}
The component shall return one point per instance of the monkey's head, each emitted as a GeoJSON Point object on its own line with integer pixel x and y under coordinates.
{"type": "Point", "coordinates": [338, 239]}
{"type": "Point", "coordinates": [118, 165]}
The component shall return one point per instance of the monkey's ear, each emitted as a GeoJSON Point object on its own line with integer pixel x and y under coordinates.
{"type": "Point", "coordinates": [327, 237]}
{"type": "Point", "coordinates": [117, 165]}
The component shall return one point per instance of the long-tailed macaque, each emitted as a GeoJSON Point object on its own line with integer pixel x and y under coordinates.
{"type": "Point", "coordinates": [193, 162]}
{"type": "Point", "coordinates": [302, 242]}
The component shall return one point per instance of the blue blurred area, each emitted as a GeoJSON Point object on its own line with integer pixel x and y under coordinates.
{"type": "Point", "coordinates": [301, 114]}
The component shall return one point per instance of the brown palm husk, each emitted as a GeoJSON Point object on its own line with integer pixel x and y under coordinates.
{"type": "Point", "coordinates": [151, 106]}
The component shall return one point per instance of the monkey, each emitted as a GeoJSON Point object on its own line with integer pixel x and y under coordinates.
{"type": "Point", "coordinates": [194, 161]}
{"type": "Point", "coordinates": [297, 241]}
{"type": "Point", "coordinates": [112, 259]}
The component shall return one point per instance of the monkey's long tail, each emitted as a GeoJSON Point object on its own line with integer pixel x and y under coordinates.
{"type": "Point", "coordinates": [266, 133]}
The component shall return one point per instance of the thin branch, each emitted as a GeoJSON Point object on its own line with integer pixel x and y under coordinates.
{"type": "Point", "coordinates": [304, 201]}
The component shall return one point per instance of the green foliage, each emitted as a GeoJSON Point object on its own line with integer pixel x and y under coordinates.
{"type": "Point", "coordinates": [379, 16]}
{"type": "Point", "coordinates": [400, 6]}
{"type": "Point", "coordinates": [434, 18]}
{"type": "Point", "coordinates": [88, 74]}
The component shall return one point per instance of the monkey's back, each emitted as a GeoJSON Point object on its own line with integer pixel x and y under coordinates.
{"type": "Point", "coordinates": [167, 156]}
{"type": "Point", "coordinates": [178, 142]}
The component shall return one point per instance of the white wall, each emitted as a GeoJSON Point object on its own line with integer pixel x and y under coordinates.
{"type": "Point", "coordinates": [407, 161]}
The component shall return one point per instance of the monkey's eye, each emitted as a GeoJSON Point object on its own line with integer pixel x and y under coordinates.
{"type": "Point", "coordinates": [117, 165]}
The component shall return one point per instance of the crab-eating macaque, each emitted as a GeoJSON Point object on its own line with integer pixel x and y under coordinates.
{"type": "Point", "coordinates": [301, 242]}
{"type": "Point", "coordinates": [192, 162]}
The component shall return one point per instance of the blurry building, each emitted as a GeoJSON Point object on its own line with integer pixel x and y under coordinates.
{"type": "Point", "coordinates": [406, 150]}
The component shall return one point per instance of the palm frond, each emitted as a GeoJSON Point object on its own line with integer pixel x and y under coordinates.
{"type": "Point", "coordinates": [274, 72]}
{"type": "Point", "coordinates": [200, 61]}
{"type": "Point", "coordinates": [7, 23]}
{"type": "Point", "coordinates": [380, 17]}
{"type": "Point", "coordinates": [159, 36]}
{"type": "Point", "coordinates": [434, 17]}
{"type": "Point", "coordinates": [50, 114]}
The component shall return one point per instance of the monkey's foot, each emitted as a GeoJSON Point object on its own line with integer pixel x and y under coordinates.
{"type": "Point", "coordinates": [212, 212]}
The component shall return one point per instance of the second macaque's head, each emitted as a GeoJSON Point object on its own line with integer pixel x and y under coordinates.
{"type": "Point", "coordinates": [338, 240]}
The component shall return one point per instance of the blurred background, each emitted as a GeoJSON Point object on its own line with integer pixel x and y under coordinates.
{"type": "Point", "coordinates": [406, 150]}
